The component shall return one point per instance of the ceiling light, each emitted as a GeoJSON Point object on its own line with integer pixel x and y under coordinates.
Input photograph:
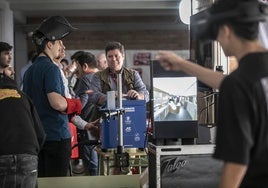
{"type": "Point", "coordinates": [185, 11]}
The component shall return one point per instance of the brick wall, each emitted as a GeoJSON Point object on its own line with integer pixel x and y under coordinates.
{"type": "Point", "coordinates": [149, 40]}
{"type": "Point", "coordinates": [136, 38]}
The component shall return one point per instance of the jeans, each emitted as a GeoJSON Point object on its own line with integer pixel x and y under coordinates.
{"type": "Point", "coordinates": [90, 159]}
{"type": "Point", "coordinates": [18, 171]}
{"type": "Point", "coordinates": [54, 158]}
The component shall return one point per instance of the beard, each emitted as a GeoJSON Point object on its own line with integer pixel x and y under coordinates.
{"type": "Point", "coordinates": [3, 65]}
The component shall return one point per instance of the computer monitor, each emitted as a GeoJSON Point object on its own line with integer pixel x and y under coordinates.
{"type": "Point", "coordinates": [173, 103]}
{"type": "Point", "coordinates": [201, 52]}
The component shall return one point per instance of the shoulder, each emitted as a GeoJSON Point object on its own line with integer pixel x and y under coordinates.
{"type": "Point", "coordinates": [130, 72]}
{"type": "Point", "coordinates": [229, 83]}
{"type": "Point", "coordinates": [87, 77]}
{"type": "Point", "coordinates": [102, 73]}
{"type": "Point", "coordinates": [7, 83]}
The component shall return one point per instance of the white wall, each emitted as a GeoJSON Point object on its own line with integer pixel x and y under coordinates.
{"type": "Point", "coordinates": [6, 25]}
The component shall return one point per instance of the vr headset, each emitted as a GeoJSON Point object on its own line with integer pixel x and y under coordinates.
{"type": "Point", "coordinates": [205, 24]}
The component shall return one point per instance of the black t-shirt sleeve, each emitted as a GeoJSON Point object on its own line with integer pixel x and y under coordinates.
{"type": "Point", "coordinates": [234, 138]}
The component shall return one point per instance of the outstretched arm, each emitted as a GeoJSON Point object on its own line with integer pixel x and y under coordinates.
{"type": "Point", "coordinates": [171, 61]}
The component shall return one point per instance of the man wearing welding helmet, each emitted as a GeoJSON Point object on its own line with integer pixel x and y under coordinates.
{"type": "Point", "coordinates": [43, 83]}
{"type": "Point", "coordinates": [242, 131]}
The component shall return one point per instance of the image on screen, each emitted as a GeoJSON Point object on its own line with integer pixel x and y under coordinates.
{"type": "Point", "coordinates": [175, 98]}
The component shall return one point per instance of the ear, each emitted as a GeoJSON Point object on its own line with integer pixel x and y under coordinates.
{"type": "Point", "coordinates": [228, 32]}
{"type": "Point", "coordinates": [49, 44]}
{"type": "Point", "coordinates": [85, 66]}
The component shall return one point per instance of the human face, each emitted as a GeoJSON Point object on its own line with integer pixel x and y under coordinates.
{"type": "Point", "coordinates": [102, 62]}
{"type": "Point", "coordinates": [115, 60]}
{"type": "Point", "coordinates": [79, 71]}
{"type": "Point", "coordinates": [61, 50]}
{"type": "Point", "coordinates": [72, 67]}
{"type": "Point", "coordinates": [58, 50]}
{"type": "Point", "coordinates": [9, 71]}
{"type": "Point", "coordinates": [5, 59]}
{"type": "Point", "coordinates": [224, 37]}
{"type": "Point", "coordinates": [64, 65]}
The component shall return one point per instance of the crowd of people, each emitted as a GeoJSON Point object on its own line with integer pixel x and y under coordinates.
{"type": "Point", "coordinates": [56, 97]}
{"type": "Point", "coordinates": [55, 94]}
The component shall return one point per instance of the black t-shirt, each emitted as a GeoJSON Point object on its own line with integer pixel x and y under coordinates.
{"type": "Point", "coordinates": [242, 132]}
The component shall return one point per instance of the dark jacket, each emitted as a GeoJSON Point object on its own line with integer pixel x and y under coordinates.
{"type": "Point", "coordinates": [21, 131]}
{"type": "Point", "coordinates": [127, 78]}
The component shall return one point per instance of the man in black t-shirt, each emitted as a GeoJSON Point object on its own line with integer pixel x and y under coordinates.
{"type": "Point", "coordinates": [242, 131]}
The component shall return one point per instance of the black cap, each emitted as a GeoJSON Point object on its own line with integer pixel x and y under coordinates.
{"type": "Point", "coordinates": [206, 23]}
{"type": "Point", "coordinates": [4, 47]}
{"type": "Point", "coordinates": [54, 28]}
{"type": "Point", "coordinates": [242, 11]}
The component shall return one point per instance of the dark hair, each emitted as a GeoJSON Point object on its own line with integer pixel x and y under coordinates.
{"type": "Point", "coordinates": [87, 58]}
{"type": "Point", "coordinates": [65, 60]}
{"type": "Point", "coordinates": [40, 41]}
{"type": "Point", "coordinates": [247, 31]}
{"type": "Point", "coordinates": [5, 47]}
{"type": "Point", "coordinates": [114, 45]}
{"type": "Point", "coordinates": [76, 54]}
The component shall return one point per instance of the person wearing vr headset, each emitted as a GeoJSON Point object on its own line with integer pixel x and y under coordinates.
{"type": "Point", "coordinates": [242, 132]}
{"type": "Point", "coordinates": [43, 84]}
{"type": "Point", "coordinates": [21, 131]}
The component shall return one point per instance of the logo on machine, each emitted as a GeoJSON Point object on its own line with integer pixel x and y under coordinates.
{"type": "Point", "coordinates": [129, 109]}
{"type": "Point", "coordinates": [128, 129]}
{"type": "Point", "coordinates": [137, 137]}
{"type": "Point", "coordinates": [128, 120]}
{"type": "Point", "coordinates": [172, 164]}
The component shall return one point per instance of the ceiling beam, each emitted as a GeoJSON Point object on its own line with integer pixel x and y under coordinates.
{"type": "Point", "coordinates": [114, 26]}
{"type": "Point", "coordinates": [35, 5]}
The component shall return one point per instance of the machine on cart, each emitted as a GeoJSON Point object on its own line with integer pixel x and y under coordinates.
{"type": "Point", "coordinates": [123, 126]}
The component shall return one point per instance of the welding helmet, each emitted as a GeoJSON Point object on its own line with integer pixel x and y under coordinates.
{"type": "Point", "coordinates": [52, 28]}
{"type": "Point", "coordinates": [206, 23]}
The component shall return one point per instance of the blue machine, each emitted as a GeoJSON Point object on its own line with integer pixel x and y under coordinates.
{"type": "Point", "coordinates": [134, 126]}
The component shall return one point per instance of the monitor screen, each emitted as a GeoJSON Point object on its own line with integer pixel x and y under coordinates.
{"type": "Point", "coordinates": [175, 98]}
{"type": "Point", "coordinates": [173, 103]}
